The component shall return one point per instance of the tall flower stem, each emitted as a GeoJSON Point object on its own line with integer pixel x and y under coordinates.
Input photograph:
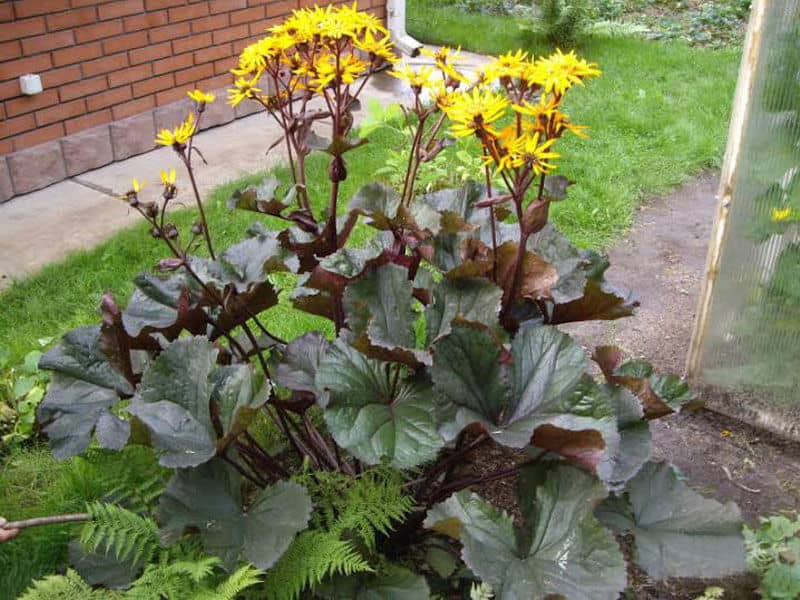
{"type": "Point", "coordinates": [200, 208]}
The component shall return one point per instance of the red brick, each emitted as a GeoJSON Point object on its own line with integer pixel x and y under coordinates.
{"type": "Point", "coordinates": [98, 31]}
{"type": "Point", "coordinates": [240, 45]}
{"type": "Point", "coordinates": [128, 75]}
{"type": "Point", "coordinates": [133, 108]}
{"type": "Point", "coordinates": [71, 19]}
{"type": "Point", "coordinates": [107, 64]}
{"type": "Point", "coordinates": [218, 6]}
{"type": "Point", "coordinates": [60, 112]}
{"type": "Point", "coordinates": [213, 53]}
{"type": "Point", "coordinates": [108, 98]}
{"type": "Point", "coordinates": [224, 65]}
{"type": "Point", "coordinates": [120, 8]}
{"type": "Point", "coordinates": [31, 64]}
{"type": "Point", "coordinates": [150, 53]}
{"type": "Point", "coordinates": [193, 74]}
{"type": "Point", "coordinates": [170, 96]}
{"type": "Point", "coordinates": [173, 63]}
{"type": "Point", "coordinates": [85, 87]}
{"type": "Point", "coordinates": [15, 126]}
{"type": "Point", "coordinates": [29, 8]}
{"type": "Point", "coordinates": [38, 136]}
{"type": "Point", "coordinates": [209, 23]}
{"type": "Point", "coordinates": [194, 42]}
{"type": "Point", "coordinates": [215, 83]}
{"type": "Point", "coordinates": [47, 42]}
{"type": "Point", "coordinates": [156, 4]}
{"type": "Point", "coordinates": [153, 85]}
{"type": "Point", "coordinates": [21, 28]}
{"type": "Point", "coordinates": [230, 33]}
{"type": "Point", "coordinates": [76, 3]}
{"type": "Point", "coordinates": [6, 147]}
{"type": "Point", "coordinates": [25, 104]}
{"type": "Point", "coordinates": [56, 77]}
{"type": "Point", "coordinates": [284, 7]}
{"type": "Point", "coordinates": [77, 54]}
{"type": "Point", "coordinates": [146, 20]}
{"type": "Point", "coordinates": [86, 121]}
{"type": "Point", "coordinates": [170, 32]}
{"type": "Point", "coordinates": [9, 89]}
{"type": "Point", "coordinates": [125, 42]}
{"type": "Point", "coordinates": [10, 50]}
{"type": "Point", "coordinates": [247, 15]}
{"type": "Point", "coordinates": [193, 11]}
{"type": "Point", "coordinates": [6, 12]}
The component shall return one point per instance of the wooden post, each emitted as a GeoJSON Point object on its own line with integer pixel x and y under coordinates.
{"type": "Point", "coordinates": [730, 169]}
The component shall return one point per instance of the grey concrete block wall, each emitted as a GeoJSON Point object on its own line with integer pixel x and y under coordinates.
{"type": "Point", "coordinates": [87, 150]}
{"type": "Point", "coordinates": [37, 167]}
{"type": "Point", "coordinates": [6, 189]}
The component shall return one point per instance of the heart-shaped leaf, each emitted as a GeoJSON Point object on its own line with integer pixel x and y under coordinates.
{"type": "Point", "coordinates": [300, 362]}
{"type": "Point", "coordinates": [678, 532]}
{"type": "Point", "coordinates": [561, 550]}
{"type": "Point", "coordinates": [165, 305]}
{"type": "Point", "coordinates": [375, 413]}
{"type": "Point", "coordinates": [207, 499]}
{"type": "Point", "coordinates": [475, 300]}
{"type": "Point", "coordinates": [82, 390]}
{"type": "Point", "coordinates": [378, 203]}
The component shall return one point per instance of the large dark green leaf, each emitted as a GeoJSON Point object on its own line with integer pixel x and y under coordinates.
{"type": "Point", "coordinates": [457, 206]}
{"type": "Point", "coordinates": [548, 366]}
{"type": "Point", "coordinates": [561, 550]}
{"type": "Point", "coordinates": [635, 440]}
{"type": "Point", "coordinates": [392, 583]}
{"type": "Point", "coordinates": [236, 392]}
{"type": "Point", "coordinates": [208, 499]}
{"type": "Point", "coordinates": [379, 307]}
{"type": "Point", "coordinates": [469, 380]}
{"type": "Point", "coordinates": [82, 391]}
{"type": "Point", "coordinates": [678, 532]}
{"type": "Point", "coordinates": [372, 416]}
{"type": "Point", "coordinates": [378, 203]}
{"type": "Point", "coordinates": [259, 198]}
{"type": "Point", "coordinates": [659, 395]}
{"type": "Point", "coordinates": [300, 362]}
{"type": "Point", "coordinates": [179, 439]}
{"type": "Point", "coordinates": [165, 305]}
{"type": "Point", "coordinates": [570, 263]}
{"type": "Point", "coordinates": [475, 300]}
{"type": "Point", "coordinates": [180, 374]}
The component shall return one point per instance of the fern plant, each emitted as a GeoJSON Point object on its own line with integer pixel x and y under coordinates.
{"type": "Point", "coordinates": [562, 22]}
{"type": "Point", "coordinates": [352, 513]}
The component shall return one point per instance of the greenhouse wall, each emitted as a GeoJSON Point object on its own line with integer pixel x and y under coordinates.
{"type": "Point", "coordinates": [745, 351]}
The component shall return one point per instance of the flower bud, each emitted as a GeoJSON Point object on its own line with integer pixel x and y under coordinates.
{"type": "Point", "coordinates": [155, 233]}
{"type": "Point", "coordinates": [337, 171]}
{"type": "Point", "coordinates": [172, 231]}
{"type": "Point", "coordinates": [197, 228]}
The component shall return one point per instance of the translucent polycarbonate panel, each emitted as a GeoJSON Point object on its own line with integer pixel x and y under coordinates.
{"type": "Point", "coordinates": [748, 341]}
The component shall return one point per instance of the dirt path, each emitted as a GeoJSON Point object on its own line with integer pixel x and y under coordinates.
{"type": "Point", "coordinates": [663, 260]}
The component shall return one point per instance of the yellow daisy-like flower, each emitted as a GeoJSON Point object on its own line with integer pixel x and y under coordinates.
{"type": "Point", "coordinates": [507, 65]}
{"type": "Point", "coordinates": [446, 59]}
{"type": "Point", "coordinates": [168, 178]}
{"type": "Point", "coordinates": [244, 88]}
{"type": "Point", "coordinates": [180, 135]}
{"type": "Point", "coordinates": [474, 111]}
{"type": "Point", "coordinates": [781, 214]}
{"type": "Point", "coordinates": [376, 48]}
{"type": "Point", "coordinates": [201, 97]}
{"type": "Point", "coordinates": [137, 187]}
{"type": "Point", "coordinates": [541, 113]}
{"type": "Point", "coordinates": [538, 155]}
{"type": "Point", "coordinates": [559, 72]}
{"type": "Point", "coordinates": [416, 79]}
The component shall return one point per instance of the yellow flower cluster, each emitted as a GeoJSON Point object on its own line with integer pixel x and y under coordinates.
{"type": "Point", "coordinates": [179, 136]}
{"type": "Point", "coordinates": [781, 214]}
{"type": "Point", "coordinates": [527, 93]}
{"type": "Point", "coordinates": [314, 49]}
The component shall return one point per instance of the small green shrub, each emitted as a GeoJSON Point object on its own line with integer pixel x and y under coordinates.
{"type": "Point", "coordinates": [562, 22]}
{"type": "Point", "coordinates": [21, 390]}
{"type": "Point", "coordinates": [773, 552]}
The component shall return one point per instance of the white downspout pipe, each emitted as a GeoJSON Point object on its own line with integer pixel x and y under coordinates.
{"type": "Point", "coordinates": [396, 23]}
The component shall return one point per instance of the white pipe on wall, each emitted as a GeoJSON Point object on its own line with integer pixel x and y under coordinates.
{"type": "Point", "coordinates": [396, 22]}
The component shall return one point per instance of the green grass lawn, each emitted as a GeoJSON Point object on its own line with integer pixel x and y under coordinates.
{"type": "Point", "coordinates": [658, 115]}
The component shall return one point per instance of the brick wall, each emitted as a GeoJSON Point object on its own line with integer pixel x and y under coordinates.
{"type": "Point", "coordinates": [103, 61]}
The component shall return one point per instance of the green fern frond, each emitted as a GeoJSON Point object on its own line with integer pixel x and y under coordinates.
{"type": "Point", "coordinates": [64, 587]}
{"type": "Point", "coordinates": [127, 534]}
{"type": "Point", "coordinates": [351, 512]}
{"type": "Point", "coordinates": [312, 557]}
{"type": "Point", "coordinates": [245, 577]}
{"type": "Point", "coordinates": [195, 570]}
